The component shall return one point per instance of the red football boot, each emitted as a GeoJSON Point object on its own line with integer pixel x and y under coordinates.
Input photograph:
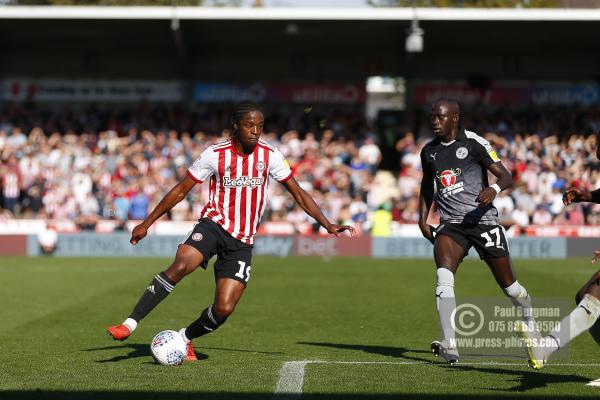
{"type": "Point", "coordinates": [119, 332]}
{"type": "Point", "coordinates": [191, 354]}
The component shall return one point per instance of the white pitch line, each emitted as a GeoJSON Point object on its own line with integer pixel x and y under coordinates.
{"type": "Point", "coordinates": [291, 380]}
{"type": "Point", "coordinates": [291, 374]}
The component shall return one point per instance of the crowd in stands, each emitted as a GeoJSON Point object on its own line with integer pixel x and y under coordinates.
{"type": "Point", "coordinates": [92, 164]}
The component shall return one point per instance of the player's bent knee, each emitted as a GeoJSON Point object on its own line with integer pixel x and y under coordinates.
{"type": "Point", "coordinates": [225, 309]}
{"type": "Point", "coordinates": [179, 269]}
{"type": "Point", "coordinates": [594, 291]}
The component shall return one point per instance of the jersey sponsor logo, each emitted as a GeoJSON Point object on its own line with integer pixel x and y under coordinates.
{"type": "Point", "coordinates": [260, 166]}
{"type": "Point", "coordinates": [246, 181]}
{"type": "Point", "coordinates": [197, 237]}
{"type": "Point", "coordinates": [448, 179]}
{"type": "Point", "coordinates": [432, 155]}
{"type": "Point", "coordinates": [462, 153]}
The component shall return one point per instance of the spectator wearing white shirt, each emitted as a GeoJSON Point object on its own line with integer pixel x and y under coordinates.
{"type": "Point", "coordinates": [541, 216]}
{"type": "Point", "coordinates": [504, 203]}
{"type": "Point", "coordinates": [520, 216]}
{"type": "Point", "coordinates": [370, 154]}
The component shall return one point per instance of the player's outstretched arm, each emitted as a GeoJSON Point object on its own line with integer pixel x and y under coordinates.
{"type": "Point", "coordinates": [576, 195]}
{"type": "Point", "coordinates": [309, 206]}
{"type": "Point", "coordinates": [175, 195]}
{"type": "Point", "coordinates": [505, 181]}
{"type": "Point", "coordinates": [425, 202]}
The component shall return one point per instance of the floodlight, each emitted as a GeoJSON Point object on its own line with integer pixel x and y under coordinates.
{"type": "Point", "coordinates": [414, 40]}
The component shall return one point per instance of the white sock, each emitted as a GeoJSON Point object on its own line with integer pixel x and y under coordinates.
{"type": "Point", "coordinates": [445, 302]}
{"type": "Point", "coordinates": [182, 333]}
{"type": "Point", "coordinates": [520, 298]}
{"type": "Point", "coordinates": [582, 318]}
{"type": "Point", "coordinates": [131, 324]}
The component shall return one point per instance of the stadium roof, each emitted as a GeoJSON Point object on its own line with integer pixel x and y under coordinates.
{"type": "Point", "coordinates": [248, 44]}
{"type": "Point", "coordinates": [299, 14]}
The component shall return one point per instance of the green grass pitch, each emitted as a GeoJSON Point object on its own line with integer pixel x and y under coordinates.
{"type": "Point", "coordinates": [367, 322]}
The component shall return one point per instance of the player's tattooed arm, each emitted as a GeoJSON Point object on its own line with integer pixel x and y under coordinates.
{"type": "Point", "coordinates": [576, 195]}
{"type": "Point", "coordinates": [505, 181]}
{"type": "Point", "coordinates": [175, 195]}
{"type": "Point", "coordinates": [425, 202]}
{"type": "Point", "coordinates": [309, 206]}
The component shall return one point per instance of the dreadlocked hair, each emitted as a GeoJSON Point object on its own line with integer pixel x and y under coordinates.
{"type": "Point", "coordinates": [242, 108]}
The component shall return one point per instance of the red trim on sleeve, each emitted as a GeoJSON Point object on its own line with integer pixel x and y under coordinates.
{"type": "Point", "coordinates": [287, 179]}
{"type": "Point", "coordinates": [193, 177]}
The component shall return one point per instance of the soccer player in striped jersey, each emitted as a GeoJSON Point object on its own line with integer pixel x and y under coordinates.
{"type": "Point", "coordinates": [238, 171]}
{"type": "Point", "coordinates": [587, 313]}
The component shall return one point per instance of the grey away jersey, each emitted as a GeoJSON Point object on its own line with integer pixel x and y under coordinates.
{"type": "Point", "coordinates": [459, 169]}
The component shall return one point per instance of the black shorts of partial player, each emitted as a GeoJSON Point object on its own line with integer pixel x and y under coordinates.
{"type": "Point", "coordinates": [233, 257]}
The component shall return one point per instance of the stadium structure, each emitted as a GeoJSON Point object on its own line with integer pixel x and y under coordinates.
{"type": "Point", "coordinates": [79, 81]}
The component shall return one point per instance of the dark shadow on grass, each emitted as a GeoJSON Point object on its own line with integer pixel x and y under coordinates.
{"type": "Point", "coordinates": [525, 379]}
{"type": "Point", "coordinates": [397, 352]}
{"type": "Point", "coordinates": [136, 350]}
{"type": "Point", "coordinates": [240, 350]}
{"type": "Point", "coordinates": [488, 356]}
{"type": "Point", "coordinates": [131, 395]}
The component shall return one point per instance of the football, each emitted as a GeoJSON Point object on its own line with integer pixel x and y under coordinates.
{"type": "Point", "coordinates": [168, 348]}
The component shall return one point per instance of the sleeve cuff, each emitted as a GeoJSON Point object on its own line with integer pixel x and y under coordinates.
{"type": "Point", "coordinates": [193, 177]}
{"type": "Point", "coordinates": [284, 180]}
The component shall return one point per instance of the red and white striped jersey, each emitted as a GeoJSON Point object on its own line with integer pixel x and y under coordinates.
{"type": "Point", "coordinates": [10, 183]}
{"type": "Point", "coordinates": [239, 185]}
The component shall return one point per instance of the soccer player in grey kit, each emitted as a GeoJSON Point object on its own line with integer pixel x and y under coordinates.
{"type": "Point", "coordinates": [457, 161]}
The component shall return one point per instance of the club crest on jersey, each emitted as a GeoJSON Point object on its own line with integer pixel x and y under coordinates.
{"type": "Point", "coordinates": [246, 181]}
{"type": "Point", "coordinates": [260, 166]}
{"type": "Point", "coordinates": [462, 153]}
{"type": "Point", "coordinates": [448, 179]}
